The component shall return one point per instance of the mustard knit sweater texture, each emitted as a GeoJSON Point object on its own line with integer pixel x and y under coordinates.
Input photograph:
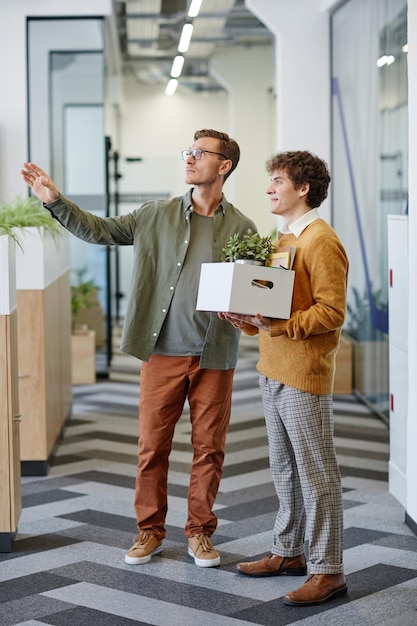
{"type": "Point", "coordinates": [300, 352]}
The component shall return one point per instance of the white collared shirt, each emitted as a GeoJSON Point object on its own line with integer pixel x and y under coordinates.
{"type": "Point", "coordinates": [297, 227]}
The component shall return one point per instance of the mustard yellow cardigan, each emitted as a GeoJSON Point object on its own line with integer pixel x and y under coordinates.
{"type": "Point", "coordinates": [300, 352]}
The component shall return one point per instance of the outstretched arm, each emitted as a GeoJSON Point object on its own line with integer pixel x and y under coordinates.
{"type": "Point", "coordinates": [41, 184]}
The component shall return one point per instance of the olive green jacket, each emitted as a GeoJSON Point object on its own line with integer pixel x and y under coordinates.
{"type": "Point", "coordinates": [160, 233]}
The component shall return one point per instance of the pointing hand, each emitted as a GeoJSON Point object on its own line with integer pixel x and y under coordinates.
{"type": "Point", "coordinates": [41, 184]}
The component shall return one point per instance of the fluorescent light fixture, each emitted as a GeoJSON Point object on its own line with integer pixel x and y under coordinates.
{"type": "Point", "coordinates": [177, 66]}
{"type": "Point", "coordinates": [194, 9]}
{"type": "Point", "coordinates": [187, 31]}
{"type": "Point", "coordinates": [386, 59]}
{"type": "Point", "coordinates": [171, 87]}
{"type": "Point", "coordinates": [405, 48]}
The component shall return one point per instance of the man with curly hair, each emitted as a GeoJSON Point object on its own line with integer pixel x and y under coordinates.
{"type": "Point", "coordinates": [186, 354]}
{"type": "Point", "coordinates": [297, 365]}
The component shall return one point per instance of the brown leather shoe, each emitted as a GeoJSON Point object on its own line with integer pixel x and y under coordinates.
{"type": "Point", "coordinates": [275, 565]}
{"type": "Point", "coordinates": [317, 589]}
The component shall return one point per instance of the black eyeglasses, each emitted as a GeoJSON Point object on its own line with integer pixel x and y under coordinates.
{"type": "Point", "coordinates": [197, 153]}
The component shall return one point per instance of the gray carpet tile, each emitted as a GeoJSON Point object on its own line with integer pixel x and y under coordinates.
{"type": "Point", "coordinates": [364, 473]}
{"type": "Point", "coordinates": [106, 436]}
{"type": "Point", "coordinates": [31, 610]}
{"type": "Point", "coordinates": [239, 469]}
{"type": "Point", "coordinates": [108, 478]}
{"type": "Point", "coordinates": [26, 546]}
{"type": "Point", "coordinates": [98, 518]}
{"type": "Point", "coordinates": [67, 459]}
{"type": "Point", "coordinates": [358, 536]}
{"type": "Point", "coordinates": [82, 616]}
{"type": "Point", "coordinates": [250, 509]}
{"type": "Point", "coordinates": [31, 585]}
{"type": "Point", "coordinates": [52, 495]}
{"type": "Point", "coordinates": [146, 585]}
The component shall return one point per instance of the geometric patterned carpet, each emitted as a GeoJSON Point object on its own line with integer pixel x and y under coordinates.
{"type": "Point", "coordinates": [67, 564]}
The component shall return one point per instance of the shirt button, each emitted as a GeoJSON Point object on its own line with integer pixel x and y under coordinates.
{"type": "Point", "coordinates": [155, 334]}
{"type": "Point", "coordinates": [171, 288]}
{"type": "Point", "coordinates": [186, 241]}
{"type": "Point", "coordinates": [179, 264]}
{"type": "Point", "coordinates": [164, 310]}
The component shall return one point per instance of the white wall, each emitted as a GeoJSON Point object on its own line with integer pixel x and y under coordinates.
{"type": "Point", "coordinates": [249, 77]}
{"type": "Point", "coordinates": [302, 75]}
{"type": "Point", "coordinates": [157, 127]}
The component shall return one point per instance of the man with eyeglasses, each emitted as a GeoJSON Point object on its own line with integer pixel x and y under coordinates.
{"type": "Point", "coordinates": [186, 354]}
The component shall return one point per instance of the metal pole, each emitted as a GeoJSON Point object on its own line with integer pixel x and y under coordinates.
{"type": "Point", "coordinates": [109, 329]}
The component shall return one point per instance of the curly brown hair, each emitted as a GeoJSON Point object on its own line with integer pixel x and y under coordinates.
{"type": "Point", "coordinates": [303, 167]}
{"type": "Point", "coordinates": [228, 146]}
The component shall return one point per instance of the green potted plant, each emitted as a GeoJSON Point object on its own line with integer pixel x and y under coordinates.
{"type": "Point", "coordinates": [43, 325]}
{"type": "Point", "coordinates": [23, 213]}
{"type": "Point", "coordinates": [250, 247]}
{"type": "Point", "coordinates": [359, 324]}
{"type": "Point", "coordinates": [370, 345]}
{"type": "Point", "coordinates": [83, 338]}
{"type": "Point", "coordinates": [82, 292]}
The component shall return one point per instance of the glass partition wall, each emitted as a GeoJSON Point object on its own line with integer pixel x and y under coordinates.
{"type": "Point", "coordinates": [369, 166]}
{"type": "Point", "coordinates": [66, 73]}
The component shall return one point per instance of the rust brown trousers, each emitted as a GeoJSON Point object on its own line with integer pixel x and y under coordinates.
{"type": "Point", "coordinates": [165, 384]}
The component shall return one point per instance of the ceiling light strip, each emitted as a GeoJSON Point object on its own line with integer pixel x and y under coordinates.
{"type": "Point", "coordinates": [177, 66]}
{"type": "Point", "coordinates": [195, 7]}
{"type": "Point", "coordinates": [171, 87]}
{"type": "Point", "coordinates": [186, 34]}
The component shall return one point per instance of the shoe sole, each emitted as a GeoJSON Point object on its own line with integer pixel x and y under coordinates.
{"type": "Point", "coordinates": [331, 596]}
{"type": "Point", "coordinates": [140, 560]}
{"type": "Point", "coordinates": [295, 571]}
{"type": "Point", "coordinates": [204, 562]}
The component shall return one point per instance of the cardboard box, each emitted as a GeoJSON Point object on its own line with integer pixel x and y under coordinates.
{"type": "Point", "coordinates": [246, 289]}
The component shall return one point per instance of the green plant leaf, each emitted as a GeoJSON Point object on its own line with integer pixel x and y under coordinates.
{"type": "Point", "coordinates": [248, 246]}
{"type": "Point", "coordinates": [22, 213]}
{"type": "Point", "coordinates": [81, 291]}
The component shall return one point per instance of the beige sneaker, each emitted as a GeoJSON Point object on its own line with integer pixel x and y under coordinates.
{"type": "Point", "coordinates": [144, 548]}
{"type": "Point", "coordinates": [202, 551]}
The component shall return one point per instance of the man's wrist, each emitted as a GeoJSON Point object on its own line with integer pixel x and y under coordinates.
{"type": "Point", "coordinates": [49, 204]}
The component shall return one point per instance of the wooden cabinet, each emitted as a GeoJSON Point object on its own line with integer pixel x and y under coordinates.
{"type": "Point", "coordinates": [44, 345]}
{"type": "Point", "coordinates": [10, 492]}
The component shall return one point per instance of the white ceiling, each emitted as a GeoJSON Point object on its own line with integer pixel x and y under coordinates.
{"type": "Point", "coordinates": [149, 33]}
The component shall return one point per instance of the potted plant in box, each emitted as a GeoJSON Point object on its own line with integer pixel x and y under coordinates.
{"type": "Point", "coordinates": [43, 326]}
{"type": "Point", "coordinates": [83, 338]}
{"type": "Point", "coordinates": [24, 213]}
{"type": "Point", "coordinates": [247, 248]}
{"type": "Point", "coordinates": [82, 291]}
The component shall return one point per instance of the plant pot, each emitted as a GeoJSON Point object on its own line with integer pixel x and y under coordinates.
{"type": "Point", "coordinates": [343, 379]}
{"type": "Point", "coordinates": [371, 375]}
{"type": "Point", "coordinates": [83, 356]}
